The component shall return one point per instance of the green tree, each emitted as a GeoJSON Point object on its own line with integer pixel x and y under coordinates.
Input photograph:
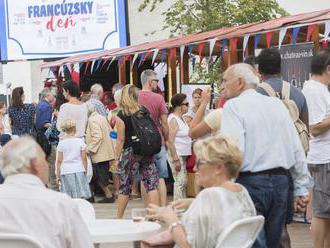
{"type": "Point", "coordinates": [191, 16]}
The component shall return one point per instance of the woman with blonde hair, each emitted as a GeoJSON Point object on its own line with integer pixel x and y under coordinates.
{"type": "Point", "coordinates": [221, 202]}
{"type": "Point", "coordinates": [127, 162]}
{"type": "Point", "coordinates": [71, 162]}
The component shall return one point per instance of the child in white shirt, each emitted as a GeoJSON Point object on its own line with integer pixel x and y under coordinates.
{"type": "Point", "coordinates": [71, 162]}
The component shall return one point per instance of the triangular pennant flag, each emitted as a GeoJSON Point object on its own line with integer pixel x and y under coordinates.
{"type": "Point", "coordinates": [141, 59]}
{"type": "Point", "coordinates": [281, 36]}
{"type": "Point", "coordinates": [327, 30]}
{"type": "Point", "coordinates": [86, 67]}
{"type": "Point", "coordinates": [155, 56]}
{"type": "Point", "coordinates": [172, 53]}
{"type": "Point", "coordinates": [223, 47]}
{"type": "Point", "coordinates": [233, 44]}
{"type": "Point", "coordinates": [113, 59]}
{"type": "Point", "coordinates": [295, 32]}
{"type": "Point", "coordinates": [98, 64]}
{"type": "Point", "coordinates": [245, 42]}
{"type": "Point", "coordinates": [269, 37]}
{"type": "Point", "coordinates": [134, 59]}
{"type": "Point", "coordinates": [104, 62]}
{"type": "Point", "coordinates": [256, 40]}
{"type": "Point", "coordinates": [92, 66]}
{"type": "Point", "coordinates": [75, 74]}
{"type": "Point", "coordinates": [120, 58]}
{"type": "Point", "coordinates": [200, 50]}
{"type": "Point", "coordinates": [163, 55]}
{"type": "Point", "coordinates": [212, 44]}
{"type": "Point", "coordinates": [127, 57]}
{"type": "Point", "coordinates": [80, 65]}
{"type": "Point", "coordinates": [182, 52]}
{"type": "Point", "coordinates": [310, 30]}
{"type": "Point", "coordinates": [146, 56]}
{"type": "Point", "coordinates": [190, 48]}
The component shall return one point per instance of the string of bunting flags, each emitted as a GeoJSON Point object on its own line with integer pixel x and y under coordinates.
{"type": "Point", "coordinates": [225, 44]}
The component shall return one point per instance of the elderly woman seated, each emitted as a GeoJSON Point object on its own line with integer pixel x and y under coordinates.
{"type": "Point", "coordinates": [217, 206]}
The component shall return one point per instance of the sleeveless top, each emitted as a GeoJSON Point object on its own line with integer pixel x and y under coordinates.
{"type": "Point", "coordinates": [182, 140]}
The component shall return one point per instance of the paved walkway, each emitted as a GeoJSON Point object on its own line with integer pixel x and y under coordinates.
{"type": "Point", "coordinates": [299, 233]}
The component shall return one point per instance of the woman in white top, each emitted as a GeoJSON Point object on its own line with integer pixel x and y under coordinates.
{"type": "Point", "coordinates": [221, 202]}
{"type": "Point", "coordinates": [73, 109]}
{"type": "Point", "coordinates": [197, 99]}
{"type": "Point", "coordinates": [179, 144]}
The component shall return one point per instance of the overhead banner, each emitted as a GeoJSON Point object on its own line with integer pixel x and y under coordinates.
{"type": "Point", "coordinates": [296, 63]}
{"type": "Point", "coordinates": [32, 29]}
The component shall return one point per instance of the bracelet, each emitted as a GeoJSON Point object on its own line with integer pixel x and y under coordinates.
{"type": "Point", "coordinates": [174, 225]}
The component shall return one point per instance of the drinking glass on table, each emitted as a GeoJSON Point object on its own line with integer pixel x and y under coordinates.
{"type": "Point", "coordinates": [138, 214]}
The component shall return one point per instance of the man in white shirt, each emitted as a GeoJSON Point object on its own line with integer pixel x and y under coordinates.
{"type": "Point", "coordinates": [28, 207]}
{"type": "Point", "coordinates": [318, 101]}
{"type": "Point", "coordinates": [271, 149]}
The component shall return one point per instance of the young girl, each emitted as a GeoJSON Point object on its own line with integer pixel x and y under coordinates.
{"type": "Point", "coordinates": [71, 162]}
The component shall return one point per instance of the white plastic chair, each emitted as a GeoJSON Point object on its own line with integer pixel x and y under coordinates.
{"type": "Point", "coordinates": [16, 240]}
{"type": "Point", "coordinates": [242, 233]}
{"type": "Point", "coordinates": [86, 210]}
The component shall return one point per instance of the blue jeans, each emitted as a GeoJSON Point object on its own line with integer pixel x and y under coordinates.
{"type": "Point", "coordinates": [160, 160]}
{"type": "Point", "coordinates": [270, 196]}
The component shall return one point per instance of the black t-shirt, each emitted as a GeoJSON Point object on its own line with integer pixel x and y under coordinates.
{"type": "Point", "coordinates": [129, 131]}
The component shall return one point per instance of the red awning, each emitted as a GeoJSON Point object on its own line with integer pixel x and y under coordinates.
{"type": "Point", "coordinates": [220, 34]}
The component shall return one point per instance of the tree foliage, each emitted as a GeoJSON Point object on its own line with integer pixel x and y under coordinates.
{"type": "Point", "coordinates": [192, 16]}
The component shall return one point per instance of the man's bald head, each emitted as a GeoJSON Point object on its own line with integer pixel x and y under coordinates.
{"type": "Point", "coordinates": [238, 78]}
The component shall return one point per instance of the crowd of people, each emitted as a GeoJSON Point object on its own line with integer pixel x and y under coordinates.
{"type": "Point", "coordinates": [252, 156]}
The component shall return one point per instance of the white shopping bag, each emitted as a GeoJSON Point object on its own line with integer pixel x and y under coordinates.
{"type": "Point", "coordinates": [89, 172]}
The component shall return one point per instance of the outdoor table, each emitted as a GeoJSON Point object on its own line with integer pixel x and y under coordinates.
{"type": "Point", "coordinates": [121, 230]}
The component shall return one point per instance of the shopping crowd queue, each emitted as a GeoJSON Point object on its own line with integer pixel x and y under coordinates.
{"type": "Point", "coordinates": [264, 153]}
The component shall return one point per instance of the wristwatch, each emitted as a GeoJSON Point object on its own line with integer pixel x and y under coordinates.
{"type": "Point", "coordinates": [174, 225]}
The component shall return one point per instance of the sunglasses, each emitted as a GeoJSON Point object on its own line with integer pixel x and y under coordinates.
{"type": "Point", "coordinates": [187, 104]}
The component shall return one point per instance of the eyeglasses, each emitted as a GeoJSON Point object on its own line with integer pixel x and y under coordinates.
{"type": "Point", "coordinates": [155, 80]}
{"type": "Point", "coordinates": [186, 103]}
{"type": "Point", "coordinates": [199, 162]}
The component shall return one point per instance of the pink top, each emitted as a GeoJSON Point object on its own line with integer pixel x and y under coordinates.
{"type": "Point", "coordinates": [156, 105]}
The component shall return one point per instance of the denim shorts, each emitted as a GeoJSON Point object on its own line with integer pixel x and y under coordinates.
{"type": "Point", "coordinates": [160, 160]}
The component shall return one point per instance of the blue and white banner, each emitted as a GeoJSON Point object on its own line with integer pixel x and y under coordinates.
{"type": "Point", "coordinates": [32, 29]}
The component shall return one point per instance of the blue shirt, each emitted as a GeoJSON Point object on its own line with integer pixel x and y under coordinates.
{"type": "Point", "coordinates": [43, 114]}
{"type": "Point", "coordinates": [266, 135]}
{"type": "Point", "coordinates": [22, 119]}
{"type": "Point", "coordinates": [295, 94]}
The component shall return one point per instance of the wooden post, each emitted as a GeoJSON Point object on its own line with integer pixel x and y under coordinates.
{"type": "Point", "coordinates": [233, 55]}
{"type": "Point", "coordinates": [315, 38]}
{"type": "Point", "coordinates": [122, 71]}
{"type": "Point", "coordinates": [184, 68]}
{"type": "Point", "coordinates": [171, 65]}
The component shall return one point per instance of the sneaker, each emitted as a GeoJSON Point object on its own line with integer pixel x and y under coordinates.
{"type": "Point", "coordinates": [108, 200]}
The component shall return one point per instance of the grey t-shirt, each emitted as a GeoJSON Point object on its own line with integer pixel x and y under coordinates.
{"type": "Point", "coordinates": [295, 94]}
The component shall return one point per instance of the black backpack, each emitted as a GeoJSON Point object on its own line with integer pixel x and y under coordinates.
{"type": "Point", "coordinates": [147, 140]}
